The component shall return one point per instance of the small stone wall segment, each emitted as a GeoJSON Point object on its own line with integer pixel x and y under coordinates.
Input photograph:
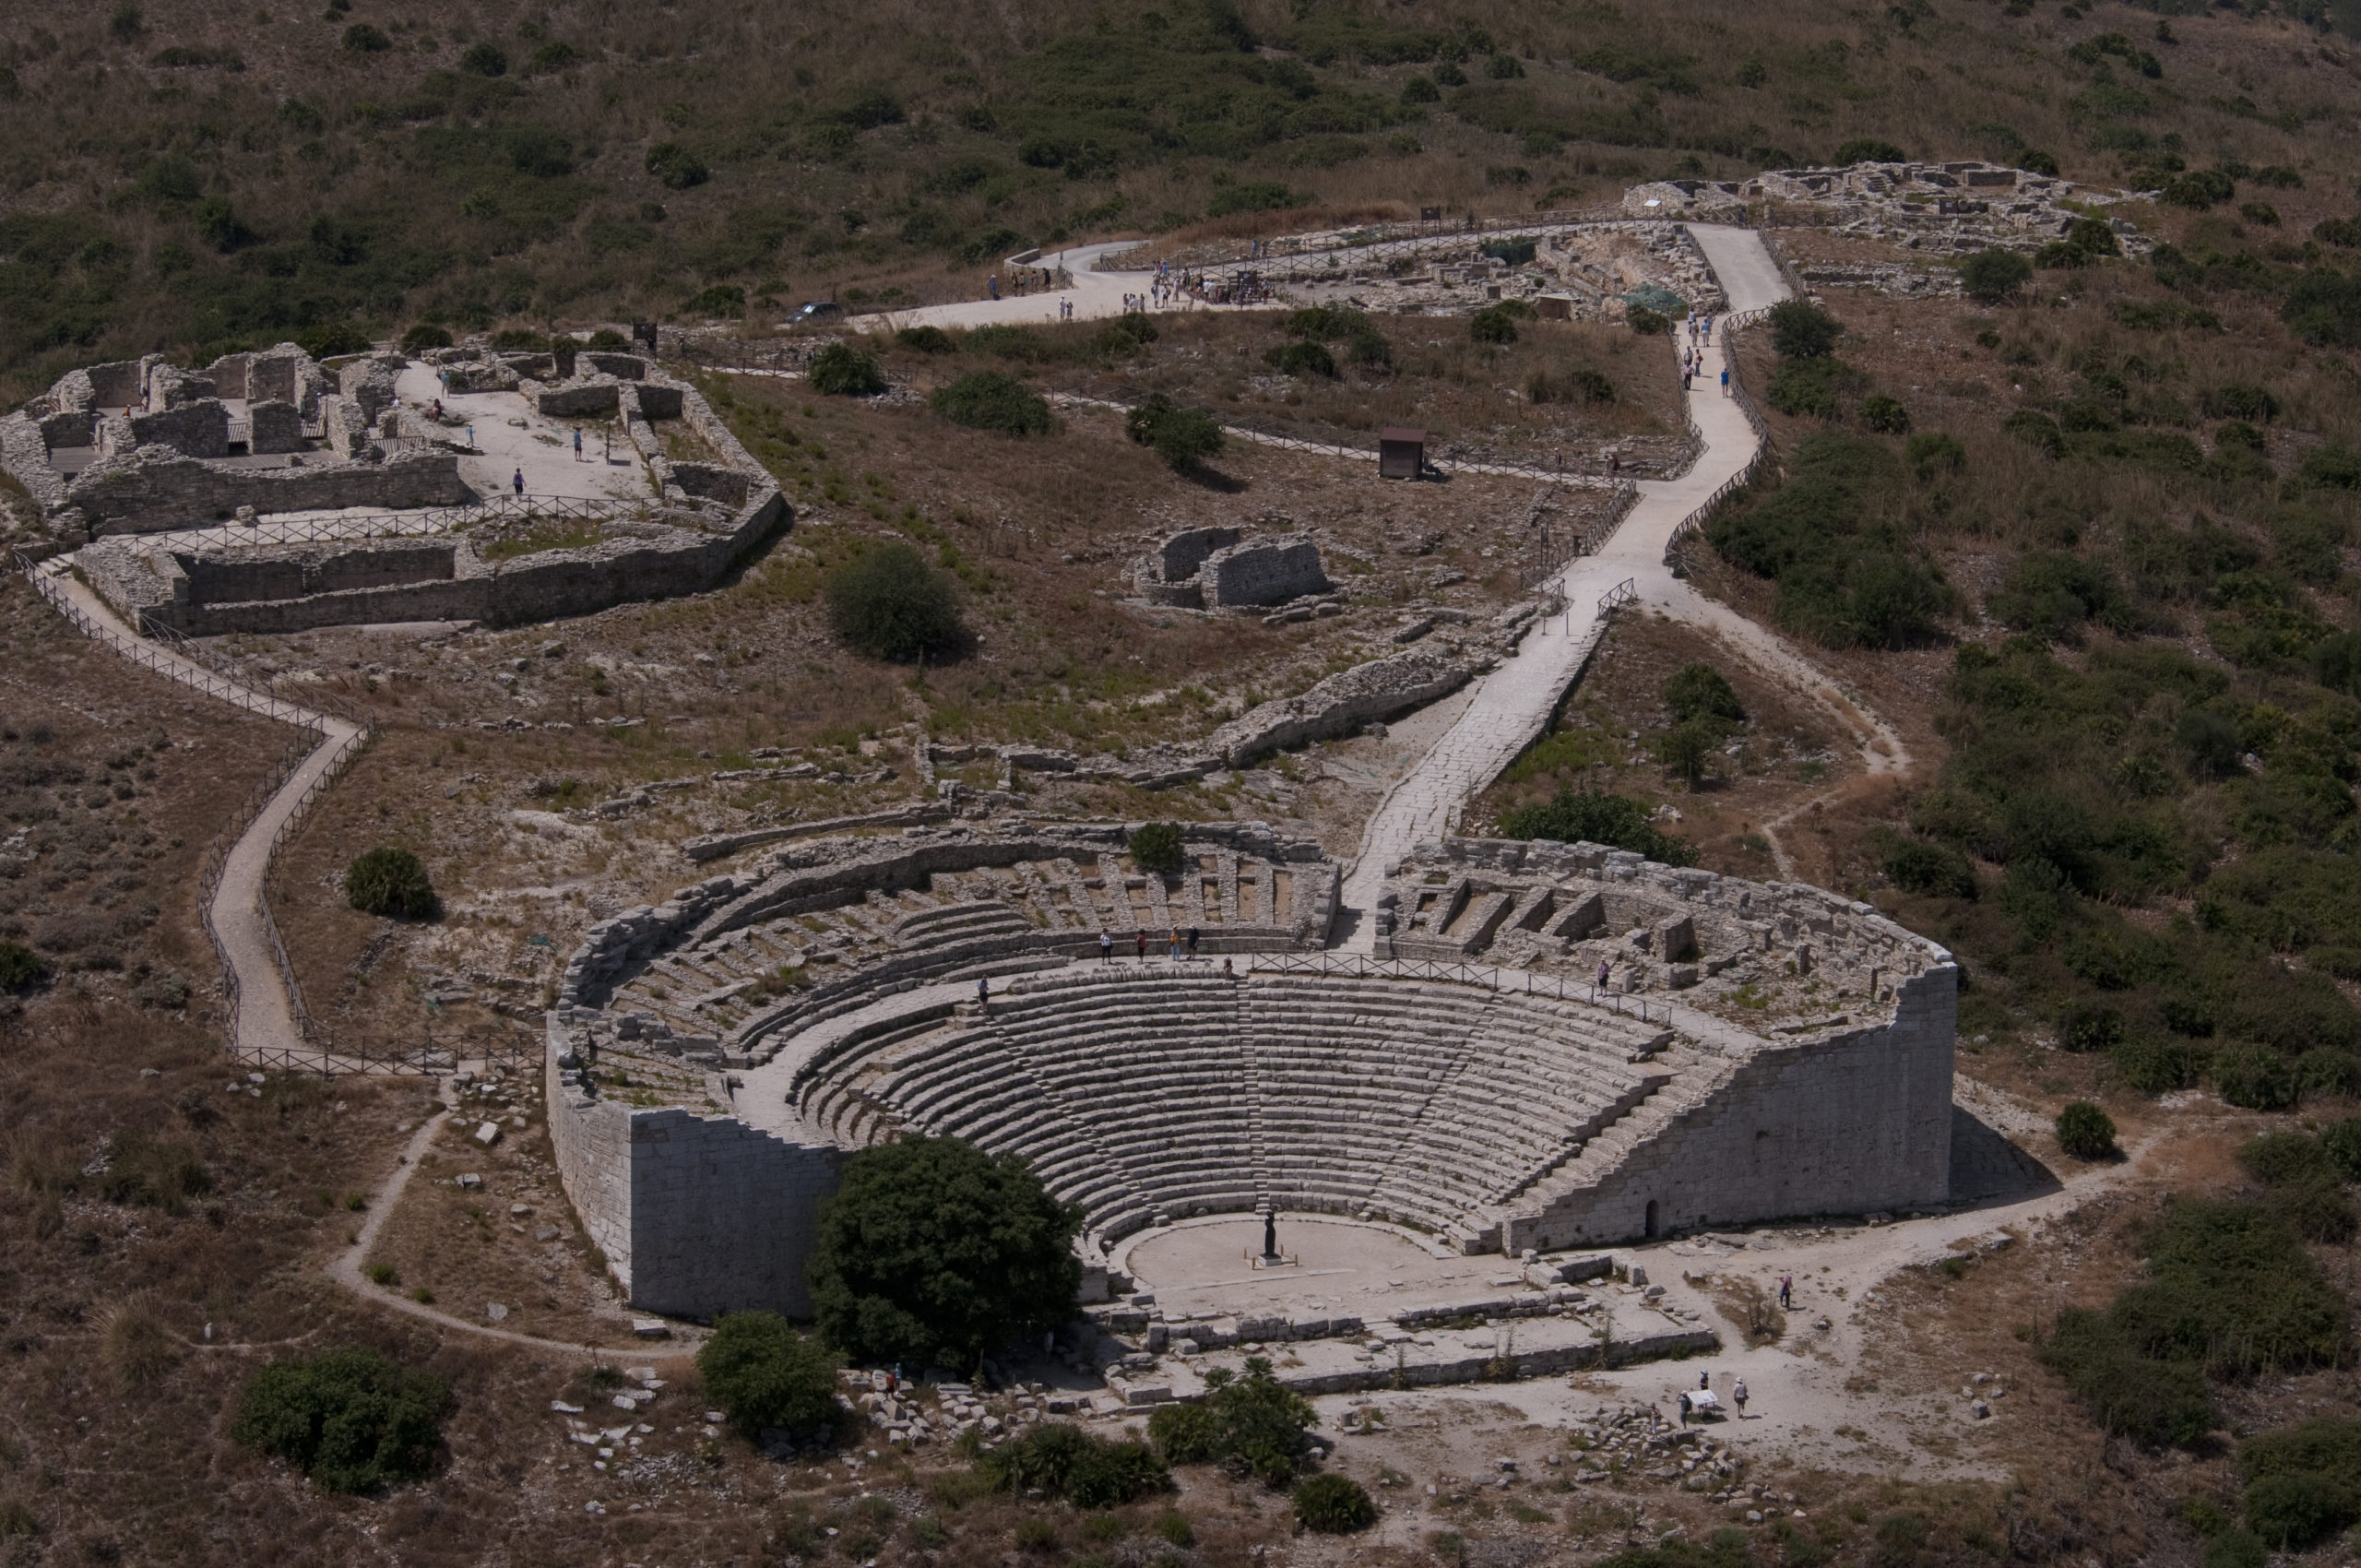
{"type": "Point", "coordinates": [1854, 1122]}
{"type": "Point", "coordinates": [169, 386]}
{"type": "Point", "coordinates": [591, 1140]}
{"type": "Point", "coordinates": [1265, 572]}
{"type": "Point", "coordinates": [274, 425]}
{"type": "Point", "coordinates": [368, 385]}
{"type": "Point", "coordinates": [723, 1216]}
{"type": "Point", "coordinates": [1342, 704]}
{"type": "Point", "coordinates": [155, 488]}
{"type": "Point", "coordinates": [200, 429]}
{"type": "Point", "coordinates": [24, 452]}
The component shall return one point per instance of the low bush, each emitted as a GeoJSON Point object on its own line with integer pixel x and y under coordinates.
{"type": "Point", "coordinates": [721, 299]}
{"type": "Point", "coordinates": [2277, 1159]}
{"type": "Point", "coordinates": [1334, 1505]}
{"type": "Point", "coordinates": [350, 1420]}
{"type": "Point", "coordinates": [1572, 816]}
{"type": "Point", "coordinates": [1917, 866]}
{"type": "Point", "coordinates": [423, 336]}
{"type": "Point", "coordinates": [2087, 241]}
{"type": "Point", "coordinates": [2255, 1077]}
{"type": "Point", "coordinates": [1183, 438]}
{"type": "Point", "coordinates": [1493, 323]}
{"type": "Point", "coordinates": [1931, 452]}
{"type": "Point", "coordinates": [2155, 1403]}
{"type": "Point", "coordinates": [1252, 195]}
{"type": "Point", "coordinates": [1647, 323]}
{"type": "Point", "coordinates": [1885, 415]}
{"type": "Point", "coordinates": [362, 39]}
{"type": "Point", "coordinates": [391, 883]}
{"type": "Point", "coordinates": [1582, 385]}
{"type": "Point", "coordinates": [1301, 358]}
{"type": "Point", "coordinates": [889, 603]}
{"type": "Point", "coordinates": [2087, 1132]}
{"type": "Point", "coordinates": [1250, 1425]}
{"type": "Point", "coordinates": [991, 399]}
{"type": "Point", "coordinates": [484, 59]}
{"type": "Point", "coordinates": [1993, 274]}
{"type": "Point", "coordinates": [842, 371]}
{"type": "Point", "coordinates": [1802, 330]}
{"type": "Point", "coordinates": [1700, 691]}
{"type": "Point", "coordinates": [765, 1375]}
{"type": "Point", "coordinates": [2303, 1483]}
{"type": "Point", "coordinates": [1867, 150]}
{"type": "Point", "coordinates": [675, 167]}
{"type": "Point", "coordinates": [20, 967]}
{"type": "Point", "coordinates": [927, 339]}
{"type": "Point", "coordinates": [2053, 595]}
{"type": "Point", "coordinates": [1065, 1462]}
{"type": "Point", "coordinates": [1157, 846]}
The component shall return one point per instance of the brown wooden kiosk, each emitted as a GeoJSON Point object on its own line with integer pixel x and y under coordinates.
{"type": "Point", "coordinates": [1401, 452]}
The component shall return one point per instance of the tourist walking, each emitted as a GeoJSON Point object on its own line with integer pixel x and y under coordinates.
{"type": "Point", "coordinates": [1684, 1410]}
{"type": "Point", "coordinates": [991, 286]}
{"type": "Point", "coordinates": [1105, 948]}
{"type": "Point", "coordinates": [1726, 381]}
{"type": "Point", "coordinates": [519, 483]}
{"type": "Point", "coordinates": [1143, 945]}
{"type": "Point", "coordinates": [1173, 950]}
{"type": "Point", "coordinates": [984, 994]}
{"type": "Point", "coordinates": [1704, 1382]}
{"type": "Point", "coordinates": [1737, 1397]}
{"type": "Point", "coordinates": [1604, 966]}
{"type": "Point", "coordinates": [577, 443]}
{"type": "Point", "coordinates": [1786, 1292]}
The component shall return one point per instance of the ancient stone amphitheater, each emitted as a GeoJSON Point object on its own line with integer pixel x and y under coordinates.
{"type": "Point", "coordinates": [1756, 1052]}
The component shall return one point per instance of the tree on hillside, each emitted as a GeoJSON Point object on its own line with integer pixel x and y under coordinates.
{"type": "Point", "coordinates": [1802, 330]}
{"type": "Point", "coordinates": [933, 1251]}
{"type": "Point", "coordinates": [890, 604]}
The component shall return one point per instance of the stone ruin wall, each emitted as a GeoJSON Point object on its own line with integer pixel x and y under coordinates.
{"type": "Point", "coordinates": [1218, 568]}
{"type": "Point", "coordinates": [329, 584]}
{"type": "Point", "coordinates": [1851, 1123]}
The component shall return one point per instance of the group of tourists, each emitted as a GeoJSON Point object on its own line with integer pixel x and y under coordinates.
{"type": "Point", "coordinates": [1179, 945]}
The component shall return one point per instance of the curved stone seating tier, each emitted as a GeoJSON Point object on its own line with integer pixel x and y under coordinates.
{"type": "Point", "coordinates": [1156, 1093]}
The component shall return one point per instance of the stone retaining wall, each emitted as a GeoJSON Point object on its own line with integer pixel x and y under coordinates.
{"type": "Point", "coordinates": [696, 1215]}
{"type": "Point", "coordinates": [156, 488]}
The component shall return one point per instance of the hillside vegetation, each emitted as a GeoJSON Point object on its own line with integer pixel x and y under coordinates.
{"type": "Point", "coordinates": [196, 176]}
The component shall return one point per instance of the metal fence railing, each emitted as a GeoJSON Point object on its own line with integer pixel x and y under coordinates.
{"type": "Point", "coordinates": [319, 719]}
{"type": "Point", "coordinates": [1354, 965]}
{"type": "Point", "coordinates": [1704, 512]}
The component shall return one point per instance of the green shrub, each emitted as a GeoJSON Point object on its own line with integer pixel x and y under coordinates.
{"type": "Point", "coordinates": [2087, 1132]}
{"type": "Point", "coordinates": [2052, 595]}
{"type": "Point", "coordinates": [1579, 385]}
{"type": "Point", "coordinates": [1250, 1425]}
{"type": "Point", "coordinates": [1807, 388]}
{"type": "Point", "coordinates": [1867, 150]}
{"type": "Point", "coordinates": [1700, 691]}
{"type": "Point", "coordinates": [362, 39]}
{"type": "Point", "coordinates": [721, 299]}
{"type": "Point", "coordinates": [1647, 323]}
{"type": "Point", "coordinates": [1802, 330]}
{"type": "Point", "coordinates": [1573, 816]}
{"type": "Point", "coordinates": [484, 59]}
{"type": "Point", "coordinates": [1685, 750]}
{"type": "Point", "coordinates": [2091, 1026]}
{"type": "Point", "coordinates": [2087, 241]}
{"type": "Point", "coordinates": [2037, 429]}
{"type": "Point", "coordinates": [423, 336]}
{"type": "Point", "coordinates": [350, 1420]}
{"type": "Point", "coordinates": [933, 1250]}
{"type": "Point", "coordinates": [1252, 195]}
{"type": "Point", "coordinates": [2276, 1159]}
{"type": "Point", "coordinates": [1929, 452]}
{"type": "Point", "coordinates": [1493, 323]}
{"type": "Point", "coordinates": [1334, 1505]}
{"type": "Point", "coordinates": [890, 604]}
{"type": "Point", "coordinates": [839, 370]}
{"type": "Point", "coordinates": [1173, 1528]}
{"type": "Point", "coordinates": [763, 1374]}
{"type": "Point", "coordinates": [2152, 1402]}
{"type": "Point", "coordinates": [2303, 1483]}
{"type": "Point", "coordinates": [329, 340]}
{"type": "Point", "coordinates": [1885, 415]}
{"type": "Point", "coordinates": [2315, 1209]}
{"type": "Point", "coordinates": [1419, 90]}
{"type": "Point", "coordinates": [1184, 439]}
{"type": "Point", "coordinates": [1157, 846]}
{"type": "Point", "coordinates": [926, 340]}
{"type": "Point", "coordinates": [1065, 1462]}
{"type": "Point", "coordinates": [991, 399]}
{"type": "Point", "coordinates": [392, 883]}
{"type": "Point", "coordinates": [1301, 358]}
{"type": "Point", "coordinates": [2340, 1141]}
{"type": "Point", "coordinates": [2255, 1077]}
{"type": "Point", "coordinates": [1993, 274]}
{"type": "Point", "coordinates": [2323, 307]}
{"type": "Point", "coordinates": [20, 967]}
{"type": "Point", "coordinates": [675, 167]}
{"type": "Point", "coordinates": [2235, 1548]}
{"type": "Point", "coordinates": [1916, 865]}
